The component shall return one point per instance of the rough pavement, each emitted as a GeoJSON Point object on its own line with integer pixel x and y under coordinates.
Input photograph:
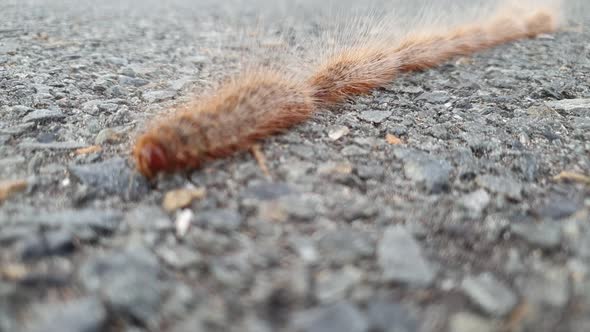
{"type": "Point", "coordinates": [455, 199]}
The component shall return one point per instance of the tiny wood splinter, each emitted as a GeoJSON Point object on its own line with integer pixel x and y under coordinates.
{"type": "Point", "coordinates": [260, 103]}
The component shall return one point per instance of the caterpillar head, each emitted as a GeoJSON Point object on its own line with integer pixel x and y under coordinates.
{"type": "Point", "coordinates": [151, 157]}
{"type": "Point", "coordinates": [166, 148]}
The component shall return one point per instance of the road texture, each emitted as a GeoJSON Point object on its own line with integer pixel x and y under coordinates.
{"type": "Point", "coordinates": [456, 199]}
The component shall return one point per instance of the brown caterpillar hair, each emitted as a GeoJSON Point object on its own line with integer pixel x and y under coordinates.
{"type": "Point", "coordinates": [250, 107]}
{"type": "Point", "coordinates": [263, 102]}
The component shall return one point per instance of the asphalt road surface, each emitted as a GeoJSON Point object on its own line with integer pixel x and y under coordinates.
{"type": "Point", "coordinates": [472, 215]}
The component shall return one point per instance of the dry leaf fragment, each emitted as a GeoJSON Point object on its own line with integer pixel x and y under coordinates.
{"type": "Point", "coordinates": [392, 139]}
{"type": "Point", "coordinates": [180, 198]}
{"type": "Point", "coordinates": [518, 315]}
{"type": "Point", "coordinates": [13, 271]}
{"type": "Point", "coordinates": [10, 187]}
{"type": "Point", "coordinates": [572, 176]}
{"type": "Point", "coordinates": [335, 168]}
{"type": "Point", "coordinates": [88, 150]}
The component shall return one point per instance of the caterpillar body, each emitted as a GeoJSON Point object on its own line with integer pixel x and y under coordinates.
{"type": "Point", "coordinates": [263, 102]}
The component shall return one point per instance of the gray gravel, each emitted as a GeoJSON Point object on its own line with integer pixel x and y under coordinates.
{"type": "Point", "coordinates": [462, 225]}
{"type": "Point", "coordinates": [401, 259]}
{"type": "Point", "coordinates": [489, 294]}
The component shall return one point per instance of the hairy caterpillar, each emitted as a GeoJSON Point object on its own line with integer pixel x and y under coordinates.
{"type": "Point", "coordinates": [262, 102]}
